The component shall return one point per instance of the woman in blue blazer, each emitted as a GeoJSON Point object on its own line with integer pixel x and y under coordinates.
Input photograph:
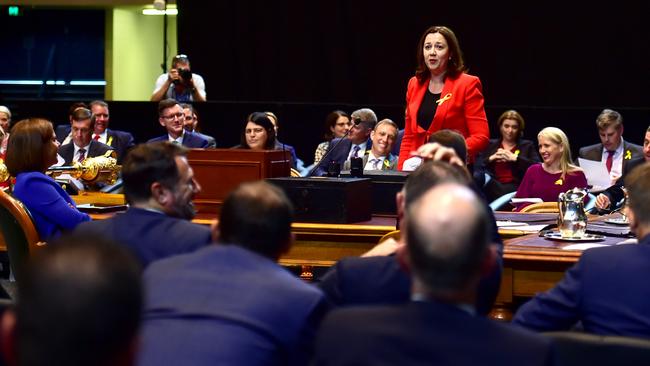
{"type": "Point", "coordinates": [32, 148]}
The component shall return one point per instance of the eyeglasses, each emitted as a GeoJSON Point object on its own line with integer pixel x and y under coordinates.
{"type": "Point", "coordinates": [173, 116]}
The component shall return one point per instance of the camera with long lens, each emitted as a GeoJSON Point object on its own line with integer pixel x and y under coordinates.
{"type": "Point", "coordinates": [185, 74]}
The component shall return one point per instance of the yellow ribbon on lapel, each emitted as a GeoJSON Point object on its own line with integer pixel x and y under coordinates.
{"type": "Point", "coordinates": [443, 99]}
{"type": "Point", "coordinates": [559, 182]}
{"type": "Point", "coordinates": [110, 140]}
{"type": "Point", "coordinates": [628, 155]}
{"type": "Point", "coordinates": [517, 152]}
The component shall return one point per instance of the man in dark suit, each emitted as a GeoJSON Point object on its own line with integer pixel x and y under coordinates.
{"type": "Point", "coordinates": [171, 117]}
{"type": "Point", "coordinates": [80, 304]}
{"type": "Point", "coordinates": [231, 303]}
{"type": "Point", "coordinates": [613, 197]}
{"type": "Point", "coordinates": [191, 124]}
{"type": "Point", "coordinates": [447, 249]}
{"type": "Point", "coordinates": [120, 141]}
{"type": "Point", "coordinates": [159, 186]}
{"type": "Point", "coordinates": [606, 290]}
{"type": "Point", "coordinates": [82, 146]}
{"type": "Point", "coordinates": [380, 279]}
{"type": "Point", "coordinates": [379, 156]}
{"type": "Point", "coordinates": [354, 145]}
{"type": "Point", "coordinates": [614, 152]}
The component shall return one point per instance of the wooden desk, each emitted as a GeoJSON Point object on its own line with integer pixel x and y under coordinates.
{"type": "Point", "coordinates": [531, 264]}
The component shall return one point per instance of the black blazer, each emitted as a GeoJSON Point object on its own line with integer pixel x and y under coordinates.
{"type": "Point", "coordinates": [95, 149]}
{"type": "Point", "coordinates": [120, 141]}
{"type": "Point", "coordinates": [424, 333]}
{"type": "Point", "coordinates": [595, 153]}
{"type": "Point", "coordinates": [528, 155]}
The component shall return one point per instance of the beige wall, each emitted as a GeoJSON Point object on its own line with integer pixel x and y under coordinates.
{"type": "Point", "coordinates": [134, 52]}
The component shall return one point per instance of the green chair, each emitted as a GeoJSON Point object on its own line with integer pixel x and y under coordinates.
{"type": "Point", "coordinates": [19, 232]}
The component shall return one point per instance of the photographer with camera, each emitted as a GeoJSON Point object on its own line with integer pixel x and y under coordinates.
{"type": "Point", "coordinates": [180, 83]}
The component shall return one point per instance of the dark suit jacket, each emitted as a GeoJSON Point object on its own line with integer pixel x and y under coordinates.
{"type": "Point", "coordinates": [615, 192]}
{"type": "Point", "coordinates": [424, 333]}
{"type": "Point", "coordinates": [212, 143]}
{"type": "Point", "coordinates": [595, 152]}
{"type": "Point", "coordinates": [95, 149]}
{"type": "Point", "coordinates": [120, 141]}
{"type": "Point", "coordinates": [381, 280]}
{"type": "Point", "coordinates": [607, 290]}
{"type": "Point", "coordinates": [225, 305]}
{"type": "Point", "coordinates": [339, 154]}
{"type": "Point", "coordinates": [190, 140]}
{"type": "Point", "coordinates": [528, 156]}
{"type": "Point", "coordinates": [150, 235]}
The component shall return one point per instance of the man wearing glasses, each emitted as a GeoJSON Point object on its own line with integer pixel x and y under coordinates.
{"type": "Point", "coordinates": [180, 83]}
{"type": "Point", "coordinates": [191, 123]}
{"type": "Point", "coordinates": [171, 116]}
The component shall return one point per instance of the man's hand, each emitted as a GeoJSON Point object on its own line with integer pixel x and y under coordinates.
{"type": "Point", "coordinates": [602, 202]}
{"type": "Point", "coordinates": [435, 151]}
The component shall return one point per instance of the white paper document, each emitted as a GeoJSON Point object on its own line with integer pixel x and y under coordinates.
{"type": "Point", "coordinates": [597, 175]}
{"type": "Point", "coordinates": [526, 200]}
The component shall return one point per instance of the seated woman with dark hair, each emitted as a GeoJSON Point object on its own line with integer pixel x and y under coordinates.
{"type": "Point", "coordinates": [555, 174]}
{"type": "Point", "coordinates": [337, 123]}
{"type": "Point", "coordinates": [259, 134]}
{"type": "Point", "coordinates": [506, 159]}
{"type": "Point", "coordinates": [32, 148]}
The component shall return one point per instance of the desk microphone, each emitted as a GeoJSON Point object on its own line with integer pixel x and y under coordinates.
{"type": "Point", "coordinates": [331, 148]}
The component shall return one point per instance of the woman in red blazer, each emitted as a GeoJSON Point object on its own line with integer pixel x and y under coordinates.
{"type": "Point", "coordinates": [441, 96]}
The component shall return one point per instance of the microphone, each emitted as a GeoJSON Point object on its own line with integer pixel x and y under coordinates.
{"type": "Point", "coordinates": [356, 121]}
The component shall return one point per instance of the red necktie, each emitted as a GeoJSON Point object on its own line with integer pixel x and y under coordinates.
{"type": "Point", "coordinates": [96, 138]}
{"type": "Point", "coordinates": [610, 160]}
{"type": "Point", "coordinates": [82, 155]}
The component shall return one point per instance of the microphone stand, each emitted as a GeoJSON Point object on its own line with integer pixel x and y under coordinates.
{"type": "Point", "coordinates": [330, 148]}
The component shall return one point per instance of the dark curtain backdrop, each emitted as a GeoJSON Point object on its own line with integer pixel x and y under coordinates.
{"type": "Point", "coordinates": [535, 53]}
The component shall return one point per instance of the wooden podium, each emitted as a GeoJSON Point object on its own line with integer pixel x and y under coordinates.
{"type": "Point", "coordinates": [219, 171]}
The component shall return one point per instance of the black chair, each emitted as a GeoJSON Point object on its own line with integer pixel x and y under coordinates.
{"type": "Point", "coordinates": [575, 348]}
{"type": "Point", "coordinates": [19, 232]}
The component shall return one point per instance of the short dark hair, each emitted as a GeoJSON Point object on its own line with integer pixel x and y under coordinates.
{"type": "Point", "coordinates": [164, 104]}
{"type": "Point", "coordinates": [429, 174]}
{"type": "Point", "coordinates": [79, 303]}
{"type": "Point", "coordinates": [447, 261]}
{"type": "Point", "coordinates": [456, 63]}
{"type": "Point", "coordinates": [261, 119]}
{"type": "Point", "coordinates": [257, 216]}
{"type": "Point", "coordinates": [452, 139]}
{"type": "Point", "coordinates": [180, 59]}
{"type": "Point", "coordinates": [149, 163]}
{"type": "Point", "coordinates": [76, 106]}
{"type": "Point", "coordinates": [637, 184]}
{"type": "Point", "coordinates": [28, 145]}
{"type": "Point", "coordinates": [82, 114]}
{"type": "Point", "coordinates": [330, 122]}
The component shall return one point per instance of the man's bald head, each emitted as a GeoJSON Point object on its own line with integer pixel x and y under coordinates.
{"type": "Point", "coordinates": [447, 235]}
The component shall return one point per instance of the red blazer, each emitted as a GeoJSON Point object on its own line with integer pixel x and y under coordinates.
{"type": "Point", "coordinates": [462, 111]}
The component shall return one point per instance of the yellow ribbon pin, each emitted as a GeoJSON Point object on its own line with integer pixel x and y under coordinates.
{"type": "Point", "coordinates": [517, 152]}
{"type": "Point", "coordinates": [559, 182]}
{"type": "Point", "coordinates": [628, 155]}
{"type": "Point", "coordinates": [443, 99]}
{"type": "Point", "coordinates": [110, 140]}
